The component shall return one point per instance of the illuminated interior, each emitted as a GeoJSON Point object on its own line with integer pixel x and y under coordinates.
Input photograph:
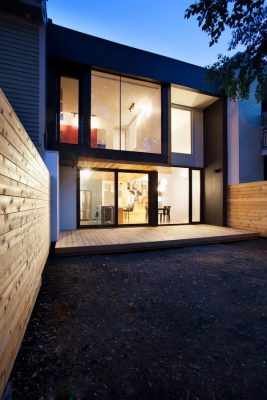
{"type": "Point", "coordinates": [69, 110]}
{"type": "Point", "coordinates": [125, 114]}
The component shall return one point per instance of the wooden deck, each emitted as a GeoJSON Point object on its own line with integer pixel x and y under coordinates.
{"type": "Point", "coordinates": [111, 240]}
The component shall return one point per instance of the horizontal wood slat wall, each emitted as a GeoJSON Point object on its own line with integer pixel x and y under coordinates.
{"type": "Point", "coordinates": [24, 232]}
{"type": "Point", "coordinates": [247, 206]}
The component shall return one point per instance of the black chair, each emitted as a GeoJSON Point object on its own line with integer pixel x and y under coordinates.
{"type": "Point", "coordinates": [127, 210]}
{"type": "Point", "coordinates": [167, 213]}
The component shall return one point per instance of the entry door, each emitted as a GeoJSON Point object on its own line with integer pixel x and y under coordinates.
{"type": "Point", "coordinates": [133, 201]}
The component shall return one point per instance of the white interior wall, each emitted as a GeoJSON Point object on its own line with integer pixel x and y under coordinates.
{"type": "Point", "coordinates": [196, 158]}
{"type": "Point", "coordinates": [176, 194]}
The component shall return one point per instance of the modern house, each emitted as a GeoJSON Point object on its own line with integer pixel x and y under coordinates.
{"type": "Point", "coordinates": [130, 137]}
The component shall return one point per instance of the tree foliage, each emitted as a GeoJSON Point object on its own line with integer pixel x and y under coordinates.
{"type": "Point", "coordinates": [247, 20]}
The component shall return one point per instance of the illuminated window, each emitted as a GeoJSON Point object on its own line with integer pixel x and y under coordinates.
{"type": "Point", "coordinates": [69, 110]}
{"type": "Point", "coordinates": [125, 114]}
{"type": "Point", "coordinates": [181, 131]}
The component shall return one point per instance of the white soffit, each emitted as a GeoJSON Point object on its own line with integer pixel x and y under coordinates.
{"type": "Point", "coordinates": [188, 98]}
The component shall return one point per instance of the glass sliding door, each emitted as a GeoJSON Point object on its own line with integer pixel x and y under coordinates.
{"type": "Point", "coordinates": [97, 197]}
{"type": "Point", "coordinates": [173, 196]}
{"type": "Point", "coordinates": [133, 199]}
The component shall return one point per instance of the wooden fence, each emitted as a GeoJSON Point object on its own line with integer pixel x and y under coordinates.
{"type": "Point", "coordinates": [247, 207]}
{"type": "Point", "coordinates": [24, 232]}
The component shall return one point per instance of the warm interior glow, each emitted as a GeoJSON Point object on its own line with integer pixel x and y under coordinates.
{"type": "Point", "coordinates": [181, 131]}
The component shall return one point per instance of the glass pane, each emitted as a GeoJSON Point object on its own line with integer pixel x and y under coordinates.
{"type": "Point", "coordinates": [105, 111]}
{"type": "Point", "coordinates": [195, 196]}
{"type": "Point", "coordinates": [140, 116]}
{"type": "Point", "coordinates": [173, 196]}
{"type": "Point", "coordinates": [132, 198]}
{"type": "Point", "coordinates": [181, 131]}
{"type": "Point", "coordinates": [97, 197]}
{"type": "Point", "coordinates": [69, 110]}
{"type": "Point", "coordinates": [125, 114]}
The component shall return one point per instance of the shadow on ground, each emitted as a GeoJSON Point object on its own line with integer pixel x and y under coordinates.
{"type": "Point", "coordinates": [182, 324]}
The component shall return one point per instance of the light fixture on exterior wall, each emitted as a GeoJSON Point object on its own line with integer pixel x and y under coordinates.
{"type": "Point", "coordinates": [94, 122]}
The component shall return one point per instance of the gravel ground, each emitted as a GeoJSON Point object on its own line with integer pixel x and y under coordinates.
{"type": "Point", "coordinates": [181, 324]}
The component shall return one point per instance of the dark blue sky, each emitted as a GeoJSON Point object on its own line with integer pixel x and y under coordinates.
{"type": "Point", "coordinates": [154, 25]}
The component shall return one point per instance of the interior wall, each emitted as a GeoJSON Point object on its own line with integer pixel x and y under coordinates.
{"type": "Point", "coordinates": [196, 158]}
{"type": "Point", "coordinates": [214, 166]}
{"type": "Point", "coordinates": [68, 198]}
{"type": "Point", "coordinates": [96, 189]}
{"type": "Point", "coordinates": [176, 194]}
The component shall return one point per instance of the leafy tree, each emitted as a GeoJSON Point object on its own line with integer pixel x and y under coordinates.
{"type": "Point", "coordinates": [247, 20]}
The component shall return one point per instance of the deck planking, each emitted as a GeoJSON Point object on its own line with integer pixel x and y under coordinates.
{"type": "Point", "coordinates": [110, 240]}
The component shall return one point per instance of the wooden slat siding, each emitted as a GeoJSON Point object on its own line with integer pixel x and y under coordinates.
{"type": "Point", "coordinates": [19, 72]}
{"type": "Point", "coordinates": [247, 206]}
{"type": "Point", "coordinates": [24, 232]}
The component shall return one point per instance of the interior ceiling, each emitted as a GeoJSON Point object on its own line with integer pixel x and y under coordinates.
{"type": "Point", "coordinates": [90, 164]}
{"type": "Point", "coordinates": [188, 98]}
{"type": "Point", "coordinates": [109, 176]}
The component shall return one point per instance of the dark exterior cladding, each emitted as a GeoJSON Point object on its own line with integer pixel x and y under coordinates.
{"type": "Point", "coordinates": [69, 45]}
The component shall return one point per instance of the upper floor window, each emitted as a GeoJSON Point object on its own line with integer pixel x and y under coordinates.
{"type": "Point", "coordinates": [125, 114]}
{"type": "Point", "coordinates": [69, 110]}
{"type": "Point", "coordinates": [181, 131]}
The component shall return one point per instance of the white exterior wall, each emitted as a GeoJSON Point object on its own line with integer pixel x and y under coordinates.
{"type": "Point", "coordinates": [51, 159]}
{"type": "Point", "coordinates": [68, 202]}
{"type": "Point", "coordinates": [250, 136]}
{"type": "Point", "coordinates": [245, 163]}
{"type": "Point", "coordinates": [233, 141]}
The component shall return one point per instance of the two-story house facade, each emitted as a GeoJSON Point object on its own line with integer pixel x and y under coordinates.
{"type": "Point", "coordinates": [141, 138]}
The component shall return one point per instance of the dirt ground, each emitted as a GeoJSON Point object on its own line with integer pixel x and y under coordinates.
{"type": "Point", "coordinates": [181, 324]}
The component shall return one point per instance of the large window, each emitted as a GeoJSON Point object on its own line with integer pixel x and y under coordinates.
{"type": "Point", "coordinates": [97, 197]}
{"type": "Point", "coordinates": [69, 114]}
{"type": "Point", "coordinates": [181, 131]}
{"type": "Point", "coordinates": [125, 114]}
